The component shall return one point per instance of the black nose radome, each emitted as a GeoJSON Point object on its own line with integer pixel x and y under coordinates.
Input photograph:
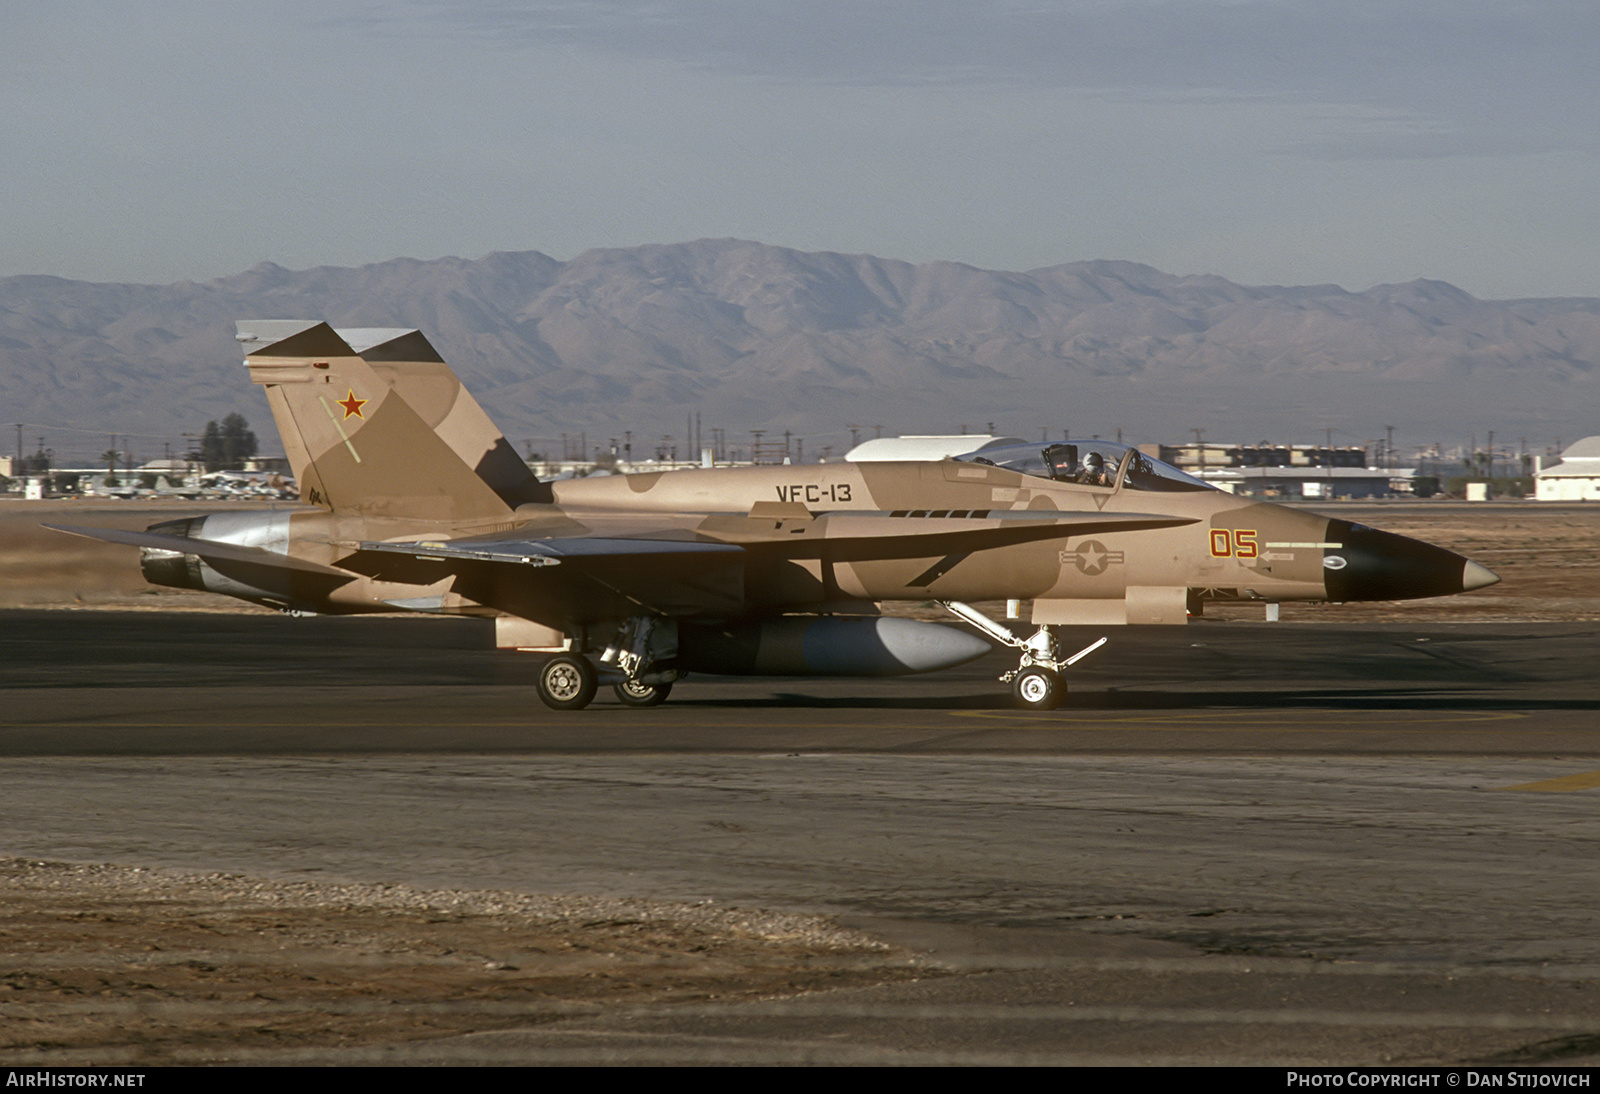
{"type": "Point", "coordinates": [1371, 565]}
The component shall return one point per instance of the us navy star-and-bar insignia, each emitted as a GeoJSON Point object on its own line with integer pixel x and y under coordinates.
{"type": "Point", "coordinates": [352, 406]}
{"type": "Point", "coordinates": [1091, 557]}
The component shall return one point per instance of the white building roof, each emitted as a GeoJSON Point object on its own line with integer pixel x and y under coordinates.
{"type": "Point", "coordinates": [1297, 474]}
{"type": "Point", "coordinates": [924, 447]}
{"type": "Point", "coordinates": [1579, 460]}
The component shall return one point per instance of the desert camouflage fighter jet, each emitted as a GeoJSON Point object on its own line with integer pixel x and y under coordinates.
{"type": "Point", "coordinates": [420, 505]}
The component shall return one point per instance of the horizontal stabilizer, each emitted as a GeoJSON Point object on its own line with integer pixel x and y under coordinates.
{"type": "Point", "coordinates": [549, 552]}
{"type": "Point", "coordinates": [202, 548]}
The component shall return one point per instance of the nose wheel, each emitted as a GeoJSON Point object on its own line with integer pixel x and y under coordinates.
{"type": "Point", "coordinates": [1038, 688]}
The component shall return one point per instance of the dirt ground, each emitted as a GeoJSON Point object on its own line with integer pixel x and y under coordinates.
{"type": "Point", "coordinates": [40, 568]}
{"type": "Point", "coordinates": [113, 965]}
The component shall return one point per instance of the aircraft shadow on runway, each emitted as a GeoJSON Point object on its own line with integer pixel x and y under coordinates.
{"type": "Point", "coordinates": [1491, 667]}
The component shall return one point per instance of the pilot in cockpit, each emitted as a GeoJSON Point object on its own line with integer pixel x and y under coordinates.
{"type": "Point", "coordinates": [1062, 461]}
{"type": "Point", "coordinates": [1095, 472]}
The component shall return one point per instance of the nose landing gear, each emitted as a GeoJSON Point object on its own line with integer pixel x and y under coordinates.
{"type": "Point", "coordinates": [1036, 682]}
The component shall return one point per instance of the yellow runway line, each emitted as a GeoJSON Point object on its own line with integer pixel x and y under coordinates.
{"type": "Point", "coordinates": [1254, 721]}
{"type": "Point", "coordinates": [1588, 780]}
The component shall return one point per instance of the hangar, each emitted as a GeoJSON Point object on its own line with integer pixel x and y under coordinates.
{"type": "Point", "coordinates": [1575, 477]}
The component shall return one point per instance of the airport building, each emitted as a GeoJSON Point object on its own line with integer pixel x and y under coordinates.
{"type": "Point", "coordinates": [1575, 477]}
{"type": "Point", "coordinates": [1318, 472]}
{"type": "Point", "coordinates": [1319, 484]}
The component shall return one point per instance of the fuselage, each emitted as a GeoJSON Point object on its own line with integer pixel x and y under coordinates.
{"type": "Point", "coordinates": [1231, 547]}
{"type": "Point", "coordinates": [801, 528]}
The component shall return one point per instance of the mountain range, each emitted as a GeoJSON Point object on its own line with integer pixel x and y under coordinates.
{"type": "Point", "coordinates": [751, 336]}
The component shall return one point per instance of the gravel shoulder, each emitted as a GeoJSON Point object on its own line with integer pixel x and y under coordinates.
{"type": "Point", "coordinates": [120, 965]}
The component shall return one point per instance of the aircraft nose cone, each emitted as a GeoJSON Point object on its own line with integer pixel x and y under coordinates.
{"type": "Point", "coordinates": [1477, 577]}
{"type": "Point", "coordinates": [1373, 565]}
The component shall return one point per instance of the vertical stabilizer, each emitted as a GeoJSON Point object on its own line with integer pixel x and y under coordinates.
{"type": "Point", "coordinates": [414, 369]}
{"type": "Point", "coordinates": [356, 445]}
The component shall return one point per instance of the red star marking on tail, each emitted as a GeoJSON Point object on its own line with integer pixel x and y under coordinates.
{"type": "Point", "coordinates": [352, 406]}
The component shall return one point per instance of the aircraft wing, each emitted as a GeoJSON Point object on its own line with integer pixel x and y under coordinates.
{"type": "Point", "coordinates": [842, 535]}
{"type": "Point", "coordinates": [204, 548]}
{"type": "Point", "coordinates": [581, 575]}
{"type": "Point", "coordinates": [576, 577]}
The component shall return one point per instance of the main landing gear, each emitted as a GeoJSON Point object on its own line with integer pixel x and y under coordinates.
{"type": "Point", "coordinates": [634, 694]}
{"type": "Point", "coordinates": [568, 682]}
{"type": "Point", "coordinates": [1036, 682]}
{"type": "Point", "coordinates": [643, 645]}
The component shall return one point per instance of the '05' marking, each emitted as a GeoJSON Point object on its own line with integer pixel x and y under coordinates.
{"type": "Point", "coordinates": [1234, 543]}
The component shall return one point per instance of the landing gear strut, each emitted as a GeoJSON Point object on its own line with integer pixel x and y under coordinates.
{"type": "Point", "coordinates": [1036, 682]}
{"type": "Point", "coordinates": [641, 654]}
{"type": "Point", "coordinates": [642, 644]}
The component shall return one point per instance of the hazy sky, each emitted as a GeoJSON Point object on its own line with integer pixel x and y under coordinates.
{"type": "Point", "coordinates": [1269, 141]}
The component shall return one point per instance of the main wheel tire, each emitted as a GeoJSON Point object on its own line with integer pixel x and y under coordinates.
{"type": "Point", "coordinates": [1038, 689]}
{"type": "Point", "coordinates": [634, 694]}
{"type": "Point", "coordinates": [567, 683]}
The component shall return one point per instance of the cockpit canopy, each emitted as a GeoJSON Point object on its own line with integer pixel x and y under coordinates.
{"type": "Point", "coordinates": [1089, 463]}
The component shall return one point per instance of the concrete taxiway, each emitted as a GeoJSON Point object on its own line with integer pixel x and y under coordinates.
{"type": "Point", "coordinates": [1235, 843]}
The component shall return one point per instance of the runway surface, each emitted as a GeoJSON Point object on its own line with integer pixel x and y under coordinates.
{"type": "Point", "coordinates": [1235, 843]}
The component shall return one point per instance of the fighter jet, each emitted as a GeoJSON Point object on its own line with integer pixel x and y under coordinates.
{"type": "Point", "coordinates": [418, 504]}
